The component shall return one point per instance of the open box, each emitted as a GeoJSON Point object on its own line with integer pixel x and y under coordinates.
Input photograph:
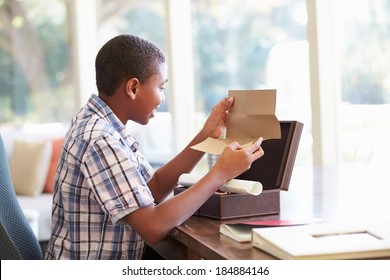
{"type": "Point", "coordinates": [273, 170]}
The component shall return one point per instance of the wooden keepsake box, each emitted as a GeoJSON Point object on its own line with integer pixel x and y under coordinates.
{"type": "Point", "coordinates": [273, 170]}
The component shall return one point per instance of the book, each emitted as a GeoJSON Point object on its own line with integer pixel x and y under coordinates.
{"type": "Point", "coordinates": [242, 231]}
{"type": "Point", "coordinates": [325, 241]}
{"type": "Point", "coordinates": [238, 232]}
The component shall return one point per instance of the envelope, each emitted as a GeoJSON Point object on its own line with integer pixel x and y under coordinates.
{"type": "Point", "coordinates": [251, 116]}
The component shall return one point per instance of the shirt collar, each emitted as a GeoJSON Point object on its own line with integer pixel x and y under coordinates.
{"type": "Point", "coordinates": [104, 111]}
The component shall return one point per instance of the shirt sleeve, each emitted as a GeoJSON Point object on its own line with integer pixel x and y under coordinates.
{"type": "Point", "coordinates": [117, 177]}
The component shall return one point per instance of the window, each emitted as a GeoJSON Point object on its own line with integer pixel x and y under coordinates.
{"type": "Point", "coordinates": [47, 52]}
{"type": "Point", "coordinates": [146, 19]}
{"type": "Point", "coordinates": [35, 62]}
{"type": "Point", "coordinates": [251, 45]}
{"type": "Point", "coordinates": [363, 48]}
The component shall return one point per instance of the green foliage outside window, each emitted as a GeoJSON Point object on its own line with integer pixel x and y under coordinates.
{"type": "Point", "coordinates": [35, 62]}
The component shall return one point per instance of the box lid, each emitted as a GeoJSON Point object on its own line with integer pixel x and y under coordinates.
{"type": "Point", "coordinates": [275, 167]}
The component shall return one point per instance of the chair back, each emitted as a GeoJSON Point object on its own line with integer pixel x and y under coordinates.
{"type": "Point", "coordinates": [16, 235]}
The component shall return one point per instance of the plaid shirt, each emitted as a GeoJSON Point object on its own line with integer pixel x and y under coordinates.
{"type": "Point", "coordinates": [101, 178]}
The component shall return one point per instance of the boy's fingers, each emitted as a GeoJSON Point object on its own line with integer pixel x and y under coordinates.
{"type": "Point", "coordinates": [256, 145]}
{"type": "Point", "coordinates": [227, 102]}
{"type": "Point", "coordinates": [235, 145]}
{"type": "Point", "coordinates": [259, 141]}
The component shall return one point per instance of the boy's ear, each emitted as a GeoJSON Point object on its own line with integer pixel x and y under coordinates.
{"type": "Point", "coordinates": [131, 87]}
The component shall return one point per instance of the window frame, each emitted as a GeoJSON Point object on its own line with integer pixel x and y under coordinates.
{"type": "Point", "coordinates": [325, 86]}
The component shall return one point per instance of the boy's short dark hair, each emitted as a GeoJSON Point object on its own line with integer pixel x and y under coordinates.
{"type": "Point", "coordinates": [125, 57]}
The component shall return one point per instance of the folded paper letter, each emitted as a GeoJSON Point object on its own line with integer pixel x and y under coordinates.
{"type": "Point", "coordinates": [234, 185]}
{"type": "Point", "coordinates": [251, 116]}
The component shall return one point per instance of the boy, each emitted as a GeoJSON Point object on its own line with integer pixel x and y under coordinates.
{"type": "Point", "coordinates": [107, 200]}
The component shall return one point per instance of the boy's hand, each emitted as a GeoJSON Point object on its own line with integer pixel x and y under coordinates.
{"type": "Point", "coordinates": [235, 159]}
{"type": "Point", "coordinates": [215, 125]}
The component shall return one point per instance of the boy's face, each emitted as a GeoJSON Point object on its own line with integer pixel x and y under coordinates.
{"type": "Point", "coordinates": [150, 95]}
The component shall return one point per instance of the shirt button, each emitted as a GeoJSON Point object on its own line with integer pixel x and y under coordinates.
{"type": "Point", "coordinates": [135, 146]}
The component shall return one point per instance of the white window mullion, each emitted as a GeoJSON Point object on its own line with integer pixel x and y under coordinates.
{"type": "Point", "coordinates": [85, 46]}
{"type": "Point", "coordinates": [181, 71]}
{"type": "Point", "coordinates": [324, 80]}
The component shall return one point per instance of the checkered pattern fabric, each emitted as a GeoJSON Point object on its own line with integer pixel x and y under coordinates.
{"type": "Point", "coordinates": [101, 178]}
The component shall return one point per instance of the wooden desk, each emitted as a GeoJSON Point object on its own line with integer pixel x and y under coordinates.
{"type": "Point", "coordinates": [353, 192]}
